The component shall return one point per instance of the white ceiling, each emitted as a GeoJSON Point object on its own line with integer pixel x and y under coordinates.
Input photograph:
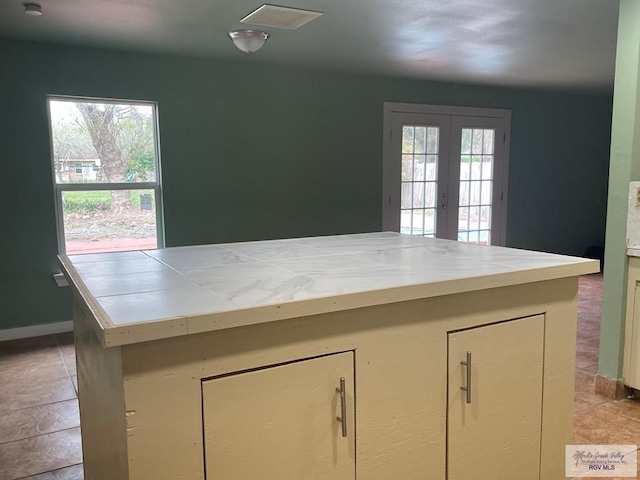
{"type": "Point", "coordinates": [541, 43]}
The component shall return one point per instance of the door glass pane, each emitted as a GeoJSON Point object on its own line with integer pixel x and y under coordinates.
{"type": "Point", "coordinates": [430, 223]}
{"type": "Point", "coordinates": [465, 167]}
{"type": "Point", "coordinates": [464, 193]}
{"type": "Point", "coordinates": [476, 185]}
{"type": "Point", "coordinates": [407, 139]}
{"type": "Point", "coordinates": [488, 141]}
{"type": "Point", "coordinates": [476, 146]}
{"type": "Point", "coordinates": [418, 168]}
{"type": "Point", "coordinates": [487, 167]}
{"type": "Point", "coordinates": [486, 193]}
{"type": "Point", "coordinates": [407, 167]}
{"type": "Point", "coordinates": [430, 189]}
{"type": "Point", "coordinates": [405, 221]}
{"type": "Point", "coordinates": [420, 140]}
{"type": "Point", "coordinates": [466, 141]}
{"type": "Point", "coordinates": [418, 220]}
{"type": "Point", "coordinates": [431, 168]}
{"type": "Point", "coordinates": [432, 140]}
{"type": "Point", "coordinates": [419, 179]}
{"type": "Point", "coordinates": [474, 198]}
{"type": "Point", "coordinates": [418, 195]}
{"type": "Point", "coordinates": [406, 195]}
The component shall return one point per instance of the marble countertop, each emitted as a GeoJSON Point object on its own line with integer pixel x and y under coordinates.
{"type": "Point", "coordinates": [633, 251]}
{"type": "Point", "coordinates": [147, 295]}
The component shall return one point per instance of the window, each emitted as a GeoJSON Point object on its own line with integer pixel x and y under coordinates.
{"type": "Point", "coordinates": [106, 174]}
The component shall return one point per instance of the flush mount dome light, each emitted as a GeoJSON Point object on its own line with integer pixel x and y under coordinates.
{"type": "Point", "coordinates": [33, 9]}
{"type": "Point", "coordinates": [248, 40]}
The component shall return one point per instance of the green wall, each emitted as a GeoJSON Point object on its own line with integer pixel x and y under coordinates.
{"type": "Point", "coordinates": [625, 167]}
{"type": "Point", "coordinates": [253, 151]}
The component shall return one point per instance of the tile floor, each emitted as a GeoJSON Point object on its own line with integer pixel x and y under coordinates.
{"type": "Point", "coordinates": [39, 420]}
{"type": "Point", "coordinates": [39, 423]}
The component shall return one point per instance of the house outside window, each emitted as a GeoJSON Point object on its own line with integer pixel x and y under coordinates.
{"type": "Point", "coordinates": [106, 174]}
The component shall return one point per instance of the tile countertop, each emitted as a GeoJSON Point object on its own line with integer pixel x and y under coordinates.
{"type": "Point", "coordinates": [147, 295]}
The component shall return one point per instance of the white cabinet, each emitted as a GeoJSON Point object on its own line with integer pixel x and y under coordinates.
{"type": "Point", "coordinates": [495, 401]}
{"type": "Point", "coordinates": [260, 402]}
{"type": "Point", "coordinates": [281, 423]}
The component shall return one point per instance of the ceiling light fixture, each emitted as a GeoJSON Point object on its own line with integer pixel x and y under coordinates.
{"type": "Point", "coordinates": [33, 9]}
{"type": "Point", "coordinates": [248, 40]}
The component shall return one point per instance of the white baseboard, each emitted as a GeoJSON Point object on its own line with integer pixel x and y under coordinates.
{"type": "Point", "coordinates": [36, 330]}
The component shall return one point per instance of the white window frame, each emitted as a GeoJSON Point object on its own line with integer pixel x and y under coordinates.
{"type": "Point", "coordinates": [59, 188]}
{"type": "Point", "coordinates": [391, 171]}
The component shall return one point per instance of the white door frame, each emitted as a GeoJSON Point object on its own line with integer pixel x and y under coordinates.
{"type": "Point", "coordinates": [391, 172]}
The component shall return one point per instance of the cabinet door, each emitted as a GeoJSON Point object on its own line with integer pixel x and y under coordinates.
{"type": "Point", "coordinates": [495, 433]}
{"type": "Point", "coordinates": [633, 371]}
{"type": "Point", "coordinates": [280, 423]}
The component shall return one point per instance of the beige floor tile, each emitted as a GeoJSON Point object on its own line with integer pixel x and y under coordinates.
{"type": "Point", "coordinates": [23, 394]}
{"type": "Point", "coordinates": [32, 366]}
{"type": "Point", "coordinates": [627, 408]}
{"type": "Point", "coordinates": [599, 426]}
{"type": "Point", "coordinates": [70, 473]}
{"type": "Point", "coordinates": [30, 422]}
{"type": "Point", "coordinates": [584, 389]}
{"type": "Point", "coordinates": [40, 454]}
{"type": "Point", "coordinates": [70, 363]}
{"type": "Point", "coordinates": [579, 405]}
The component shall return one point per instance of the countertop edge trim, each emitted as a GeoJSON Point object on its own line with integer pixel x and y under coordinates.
{"type": "Point", "coordinates": [79, 288]}
{"type": "Point", "coordinates": [117, 335]}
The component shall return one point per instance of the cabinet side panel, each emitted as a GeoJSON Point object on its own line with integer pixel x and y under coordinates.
{"type": "Point", "coordinates": [559, 379]}
{"type": "Point", "coordinates": [101, 399]}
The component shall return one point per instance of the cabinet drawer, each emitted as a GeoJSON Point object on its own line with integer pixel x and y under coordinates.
{"type": "Point", "coordinates": [281, 422]}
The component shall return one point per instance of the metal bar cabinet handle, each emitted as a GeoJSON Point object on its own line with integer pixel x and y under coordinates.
{"type": "Point", "coordinates": [343, 406]}
{"type": "Point", "coordinates": [467, 388]}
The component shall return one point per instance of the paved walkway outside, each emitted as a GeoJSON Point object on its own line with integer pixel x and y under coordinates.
{"type": "Point", "coordinates": [110, 245]}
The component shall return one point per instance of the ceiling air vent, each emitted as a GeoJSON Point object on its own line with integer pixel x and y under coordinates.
{"type": "Point", "coordinates": [280, 17]}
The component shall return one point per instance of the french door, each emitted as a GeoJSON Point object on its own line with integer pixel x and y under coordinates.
{"type": "Point", "coordinates": [445, 172]}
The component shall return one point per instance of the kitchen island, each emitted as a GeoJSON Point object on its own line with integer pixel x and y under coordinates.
{"type": "Point", "coordinates": [368, 356]}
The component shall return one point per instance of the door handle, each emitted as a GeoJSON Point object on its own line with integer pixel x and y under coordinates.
{"type": "Point", "coordinates": [343, 406]}
{"type": "Point", "coordinates": [467, 388]}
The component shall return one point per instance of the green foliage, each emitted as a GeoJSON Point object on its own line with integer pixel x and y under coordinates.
{"type": "Point", "coordinates": [86, 202]}
{"type": "Point", "coordinates": [138, 167]}
{"type": "Point", "coordinates": [134, 134]}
